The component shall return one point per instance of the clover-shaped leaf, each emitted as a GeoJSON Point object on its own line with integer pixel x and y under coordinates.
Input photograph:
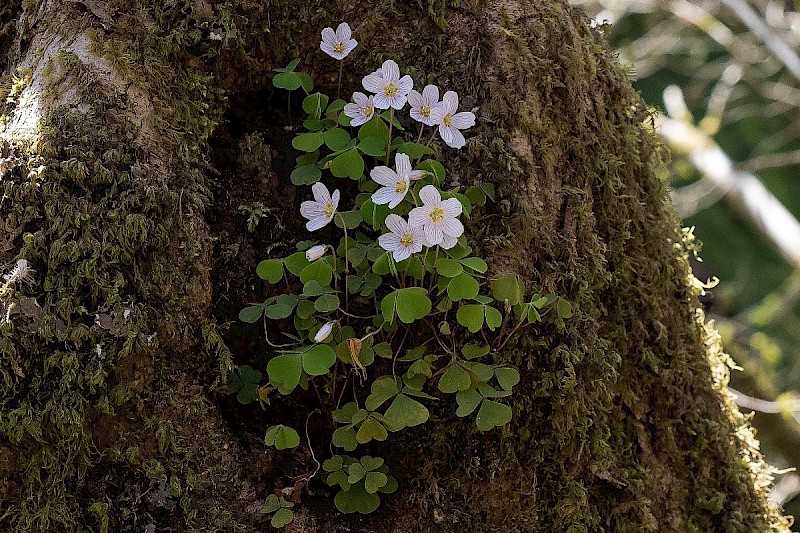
{"type": "Point", "coordinates": [282, 437]}
{"type": "Point", "coordinates": [409, 304]}
{"type": "Point", "coordinates": [405, 412]}
{"type": "Point", "coordinates": [270, 270]}
{"type": "Point", "coordinates": [454, 379]}
{"type": "Point", "coordinates": [245, 383]}
{"type": "Point", "coordinates": [492, 414]}
{"type": "Point", "coordinates": [508, 287]}
{"type": "Point", "coordinates": [356, 500]}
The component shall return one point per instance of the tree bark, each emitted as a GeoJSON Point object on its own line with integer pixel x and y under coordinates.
{"type": "Point", "coordinates": [138, 140]}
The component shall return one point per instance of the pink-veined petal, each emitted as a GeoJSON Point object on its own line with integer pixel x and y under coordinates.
{"type": "Point", "coordinates": [433, 235]}
{"type": "Point", "coordinates": [457, 141]}
{"type": "Point", "coordinates": [343, 32]}
{"type": "Point", "coordinates": [349, 46]}
{"type": "Point", "coordinates": [451, 226]}
{"type": "Point", "coordinates": [448, 241]}
{"type": "Point", "coordinates": [438, 111]}
{"type": "Point", "coordinates": [398, 197]}
{"type": "Point", "coordinates": [361, 119]}
{"type": "Point", "coordinates": [311, 209]}
{"type": "Point", "coordinates": [405, 85]}
{"type": "Point", "coordinates": [418, 217]}
{"type": "Point", "coordinates": [390, 242]}
{"type": "Point", "coordinates": [383, 175]}
{"type": "Point", "coordinates": [415, 99]}
{"type": "Point", "coordinates": [384, 195]}
{"type": "Point", "coordinates": [381, 102]}
{"type": "Point", "coordinates": [396, 224]}
{"type": "Point", "coordinates": [416, 115]}
{"type": "Point", "coordinates": [360, 98]}
{"type": "Point", "coordinates": [430, 197]}
{"type": "Point", "coordinates": [353, 111]}
{"type": "Point", "coordinates": [452, 207]}
{"type": "Point", "coordinates": [328, 49]}
{"type": "Point", "coordinates": [431, 94]}
{"type": "Point", "coordinates": [316, 223]}
{"type": "Point", "coordinates": [373, 83]}
{"type": "Point", "coordinates": [397, 102]}
{"type": "Point", "coordinates": [402, 253]}
{"type": "Point", "coordinates": [321, 193]}
{"type": "Point", "coordinates": [450, 101]}
{"type": "Point", "coordinates": [415, 175]}
{"type": "Point", "coordinates": [390, 71]}
{"type": "Point", "coordinates": [446, 134]}
{"type": "Point", "coordinates": [463, 120]}
{"type": "Point", "coordinates": [403, 164]}
{"type": "Point", "coordinates": [328, 36]}
{"type": "Point", "coordinates": [335, 199]}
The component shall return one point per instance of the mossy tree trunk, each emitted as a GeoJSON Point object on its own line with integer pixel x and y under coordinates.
{"type": "Point", "coordinates": [139, 139]}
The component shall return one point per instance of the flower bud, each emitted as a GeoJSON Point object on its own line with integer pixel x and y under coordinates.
{"type": "Point", "coordinates": [323, 332]}
{"type": "Point", "coordinates": [315, 252]}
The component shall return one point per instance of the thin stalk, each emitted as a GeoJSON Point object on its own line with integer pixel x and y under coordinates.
{"type": "Point", "coordinates": [339, 87]}
{"type": "Point", "coordinates": [389, 140]}
{"type": "Point", "coordinates": [346, 265]}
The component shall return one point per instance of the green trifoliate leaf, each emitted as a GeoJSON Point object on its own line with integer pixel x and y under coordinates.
{"type": "Point", "coordinates": [282, 308]}
{"type": "Point", "coordinates": [435, 168]}
{"type": "Point", "coordinates": [382, 389]}
{"type": "Point", "coordinates": [284, 372]}
{"type": "Point", "coordinates": [352, 219]}
{"type": "Point", "coordinates": [455, 379]}
{"type": "Point", "coordinates": [333, 464]}
{"type": "Point", "coordinates": [375, 128]}
{"type": "Point", "coordinates": [308, 142]}
{"type": "Point", "coordinates": [493, 317]}
{"type": "Point", "coordinates": [357, 500]}
{"type": "Point", "coordinates": [349, 164]}
{"type": "Point", "coordinates": [282, 518]}
{"type": "Point", "coordinates": [369, 430]}
{"type": "Point", "coordinates": [355, 473]}
{"type": "Point", "coordinates": [251, 313]}
{"type": "Point", "coordinates": [336, 139]}
{"type": "Point", "coordinates": [507, 377]}
{"type": "Point", "coordinates": [564, 308]}
{"type": "Point", "coordinates": [508, 287]}
{"type": "Point", "coordinates": [373, 146]}
{"type": "Point", "coordinates": [271, 505]}
{"type": "Point", "coordinates": [471, 316]}
{"type": "Point", "coordinates": [282, 437]}
{"type": "Point", "coordinates": [467, 401]}
{"type": "Point", "coordinates": [318, 271]}
{"type": "Point", "coordinates": [345, 437]}
{"type": "Point", "coordinates": [270, 270]}
{"type": "Point", "coordinates": [296, 262]}
{"type": "Point", "coordinates": [405, 412]}
{"type": "Point", "coordinates": [315, 104]}
{"type": "Point", "coordinates": [373, 481]}
{"type": "Point", "coordinates": [473, 351]}
{"type": "Point", "coordinates": [327, 303]}
{"type": "Point", "coordinates": [492, 414]}
{"type": "Point", "coordinates": [475, 263]}
{"type": "Point", "coordinates": [318, 360]}
{"type": "Point", "coordinates": [306, 175]}
{"type": "Point", "coordinates": [462, 287]}
{"type": "Point", "coordinates": [448, 267]}
{"type": "Point", "coordinates": [371, 463]}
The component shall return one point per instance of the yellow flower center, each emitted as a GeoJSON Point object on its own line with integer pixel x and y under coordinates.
{"type": "Point", "coordinates": [425, 111]}
{"type": "Point", "coordinates": [400, 186]}
{"type": "Point", "coordinates": [329, 210]}
{"type": "Point", "coordinates": [339, 48]}
{"type": "Point", "coordinates": [407, 240]}
{"type": "Point", "coordinates": [367, 112]}
{"type": "Point", "coordinates": [437, 214]}
{"type": "Point", "coordinates": [447, 120]}
{"type": "Point", "coordinates": [390, 91]}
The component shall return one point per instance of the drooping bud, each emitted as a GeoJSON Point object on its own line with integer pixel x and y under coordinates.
{"type": "Point", "coordinates": [324, 332]}
{"type": "Point", "coordinates": [315, 252]}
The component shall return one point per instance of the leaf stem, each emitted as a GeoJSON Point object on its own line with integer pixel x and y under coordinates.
{"type": "Point", "coordinates": [389, 140]}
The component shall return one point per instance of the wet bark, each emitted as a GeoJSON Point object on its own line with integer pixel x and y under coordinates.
{"type": "Point", "coordinates": [138, 141]}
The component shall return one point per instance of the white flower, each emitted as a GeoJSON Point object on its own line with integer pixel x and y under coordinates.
{"type": "Point", "coordinates": [404, 238]}
{"type": "Point", "coordinates": [437, 218]}
{"type": "Point", "coordinates": [423, 104]}
{"type": "Point", "coordinates": [315, 252]}
{"type": "Point", "coordinates": [324, 332]}
{"type": "Point", "coordinates": [362, 110]}
{"type": "Point", "coordinates": [395, 184]}
{"type": "Point", "coordinates": [320, 211]}
{"type": "Point", "coordinates": [450, 122]}
{"type": "Point", "coordinates": [390, 89]}
{"type": "Point", "coordinates": [338, 44]}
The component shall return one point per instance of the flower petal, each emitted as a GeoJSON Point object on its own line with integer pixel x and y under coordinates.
{"type": "Point", "coordinates": [450, 101]}
{"type": "Point", "coordinates": [396, 224]}
{"type": "Point", "coordinates": [446, 134]}
{"type": "Point", "coordinates": [335, 200]}
{"type": "Point", "coordinates": [415, 99]}
{"type": "Point", "coordinates": [433, 235]}
{"type": "Point", "coordinates": [405, 85]}
{"type": "Point", "coordinates": [457, 141]}
{"type": "Point", "coordinates": [353, 111]}
{"type": "Point", "coordinates": [383, 175]}
{"type": "Point", "coordinates": [360, 98]}
{"type": "Point", "coordinates": [321, 193]}
{"type": "Point", "coordinates": [328, 36]}
{"type": "Point", "coordinates": [397, 102]}
{"type": "Point", "coordinates": [316, 223]}
{"type": "Point", "coordinates": [438, 111]}
{"type": "Point", "coordinates": [327, 48]}
{"type": "Point", "coordinates": [310, 209]}
{"type": "Point", "coordinates": [403, 165]}
{"type": "Point", "coordinates": [430, 197]}
{"type": "Point", "coordinates": [448, 241]}
{"type": "Point", "coordinates": [384, 195]}
{"type": "Point", "coordinates": [415, 175]}
{"type": "Point", "coordinates": [452, 227]}
{"type": "Point", "coordinates": [431, 94]}
{"type": "Point", "coordinates": [390, 242]}
{"type": "Point", "coordinates": [390, 71]}
{"type": "Point", "coordinates": [343, 32]}
{"type": "Point", "coordinates": [381, 102]}
{"type": "Point", "coordinates": [402, 253]}
{"type": "Point", "coordinates": [463, 120]}
{"type": "Point", "coordinates": [452, 207]}
{"type": "Point", "coordinates": [373, 83]}
{"type": "Point", "coordinates": [418, 217]}
{"type": "Point", "coordinates": [349, 46]}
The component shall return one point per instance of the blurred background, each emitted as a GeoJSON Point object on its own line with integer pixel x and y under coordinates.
{"type": "Point", "coordinates": [724, 76]}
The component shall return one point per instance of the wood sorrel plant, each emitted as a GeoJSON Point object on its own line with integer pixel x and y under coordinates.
{"type": "Point", "coordinates": [401, 265]}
